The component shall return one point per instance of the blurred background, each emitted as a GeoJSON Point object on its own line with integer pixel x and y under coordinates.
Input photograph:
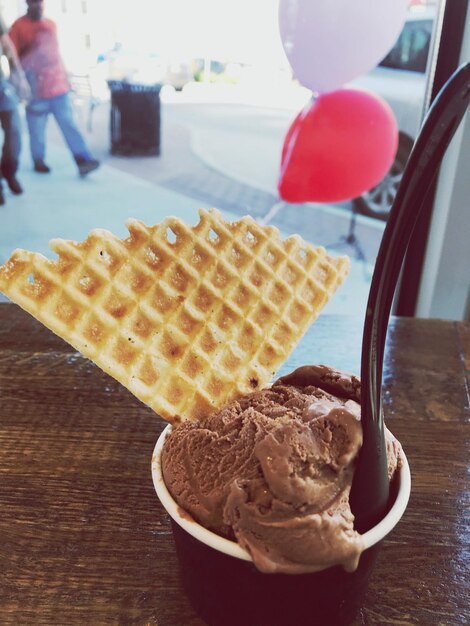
{"type": "Point", "coordinates": [226, 98]}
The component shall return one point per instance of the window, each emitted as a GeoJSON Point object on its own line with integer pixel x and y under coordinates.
{"type": "Point", "coordinates": [411, 50]}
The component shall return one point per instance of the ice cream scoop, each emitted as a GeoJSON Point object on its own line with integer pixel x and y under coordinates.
{"type": "Point", "coordinates": [273, 470]}
{"type": "Point", "coordinates": [219, 575]}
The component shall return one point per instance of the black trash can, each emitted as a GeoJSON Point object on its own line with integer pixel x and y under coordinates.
{"type": "Point", "coordinates": [135, 118]}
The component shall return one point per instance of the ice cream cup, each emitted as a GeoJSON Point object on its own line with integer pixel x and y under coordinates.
{"type": "Point", "coordinates": [226, 589]}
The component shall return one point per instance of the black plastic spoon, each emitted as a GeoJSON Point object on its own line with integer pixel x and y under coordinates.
{"type": "Point", "coordinates": [370, 488]}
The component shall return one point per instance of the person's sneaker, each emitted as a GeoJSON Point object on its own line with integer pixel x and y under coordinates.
{"type": "Point", "coordinates": [41, 167]}
{"type": "Point", "coordinates": [14, 185]}
{"type": "Point", "coordinates": [2, 197]}
{"type": "Point", "coordinates": [85, 167]}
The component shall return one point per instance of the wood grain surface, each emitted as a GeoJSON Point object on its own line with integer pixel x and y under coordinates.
{"type": "Point", "coordinates": [84, 539]}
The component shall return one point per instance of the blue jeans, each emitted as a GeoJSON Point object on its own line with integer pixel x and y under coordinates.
{"type": "Point", "coordinates": [11, 125]}
{"type": "Point", "coordinates": [37, 113]}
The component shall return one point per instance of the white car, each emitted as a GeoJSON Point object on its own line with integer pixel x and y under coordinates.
{"type": "Point", "coordinates": [401, 80]}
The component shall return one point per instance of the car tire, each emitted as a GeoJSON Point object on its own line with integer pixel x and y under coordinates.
{"type": "Point", "coordinates": [378, 201]}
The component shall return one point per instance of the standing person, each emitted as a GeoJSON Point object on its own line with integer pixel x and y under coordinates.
{"type": "Point", "coordinates": [9, 116]}
{"type": "Point", "coordinates": [35, 40]}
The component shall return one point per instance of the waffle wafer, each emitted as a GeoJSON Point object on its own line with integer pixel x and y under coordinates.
{"type": "Point", "coordinates": [186, 318]}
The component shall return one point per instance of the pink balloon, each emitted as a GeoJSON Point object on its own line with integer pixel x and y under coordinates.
{"type": "Point", "coordinates": [330, 42]}
{"type": "Point", "coordinates": [341, 145]}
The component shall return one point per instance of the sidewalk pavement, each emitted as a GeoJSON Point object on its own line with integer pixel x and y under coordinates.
{"type": "Point", "coordinates": [60, 204]}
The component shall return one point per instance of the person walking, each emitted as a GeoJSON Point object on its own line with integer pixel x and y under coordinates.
{"type": "Point", "coordinates": [9, 115]}
{"type": "Point", "coordinates": [35, 40]}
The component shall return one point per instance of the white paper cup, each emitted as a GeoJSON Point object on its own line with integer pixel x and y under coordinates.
{"type": "Point", "coordinates": [226, 589]}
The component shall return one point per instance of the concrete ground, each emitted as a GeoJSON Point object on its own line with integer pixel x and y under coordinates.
{"type": "Point", "coordinates": [202, 164]}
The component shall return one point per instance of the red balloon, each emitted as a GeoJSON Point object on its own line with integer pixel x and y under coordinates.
{"type": "Point", "coordinates": [341, 145]}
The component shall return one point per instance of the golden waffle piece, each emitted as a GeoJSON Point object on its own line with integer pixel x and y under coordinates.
{"type": "Point", "coordinates": [186, 318]}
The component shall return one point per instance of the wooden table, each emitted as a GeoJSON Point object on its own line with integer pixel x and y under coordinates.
{"type": "Point", "coordinates": [85, 541]}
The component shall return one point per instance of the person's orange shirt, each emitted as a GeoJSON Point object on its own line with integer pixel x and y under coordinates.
{"type": "Point", "coordinates": [38, 49]}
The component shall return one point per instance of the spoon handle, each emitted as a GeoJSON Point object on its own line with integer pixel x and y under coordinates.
{"type": "Point", "coordinates": [369, 494]}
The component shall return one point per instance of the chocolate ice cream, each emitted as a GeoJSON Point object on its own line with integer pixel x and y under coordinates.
{"type": "Point", "coordinates": [273, 470]}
